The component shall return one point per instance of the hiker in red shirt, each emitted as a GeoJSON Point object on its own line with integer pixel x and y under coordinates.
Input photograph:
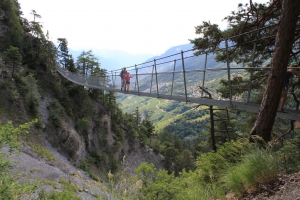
{"type": "Point", "coordinates": [127, 79]}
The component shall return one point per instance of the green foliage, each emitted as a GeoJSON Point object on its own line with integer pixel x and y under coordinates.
{"type": "Point", "coordinates": [39, 52]}
{"type": "Point", "coordinates": [82, 125]}
{"type": "Point", "coordinates": [84, 165]}
{"type": "Point", "coordinates": [146, 170]}
{"type": "Point", "coordinates": [99, 158]}
{"type": "Point", "coordinates": [46, 83]}
{"type": "Point", "coordinates": [42, 152]}
{"type": "Point", "coordinates": [94, 177]}
{"type": "Point", "coordinates": [116, 129]}
{"type": "Point", "coordinates": [10, 188]}
{"type": "Point", "coordinates": [155, 108]}
{"type": "Point", "coordinates": [289, 155]}
{"type": "Point", "coordinates": [29, 90]}
{"type": "Point", "coordinates": [163, 186]}
{"type": "Point", "coordinates": [240, 21]}
{"type": "Point", "coordinates": [207, 43]}
{"type": "Point", "coordinates": [10, 135]}
{"type": "Point", "coordinates": [87, 62]}
{"type": "Point", "coordinates": [113, 164]}
{"type": "Point", "coordinates": [56, 113]}
{"type": "Point", "coordinates": [10, 97]}
{"type": "Point", "coordinates": [63, 52]}
{"type": "Point", "coordinates": [67, 185]}
{"type": "Point", "coordinates": [177, 155]}
{"type": "Point", "coordinates": [170, 154]}
{"type": "Point", "coordinates": [132, 133]}
{"type": "Point", "coordinates": [240, 50]}
{"type": "Point", "coordinates": [14, 34]}
{"type": "Point", "coordinates": [49, 83]}
{"type": "Point", "coordinates": [190, 124]}
{"type": "Point", "coordinates": [257, 167]}
{"type": "Point", "coordinates": [212, 165]}
{"type": "Point", "coordinates": [147, 126]}
{"type": "Point", "coordinates": [237, 167]}
{"type": "Point", "coordinates": [12, 58]}
{"type": "Point", "coordinates": [185, 161]}
{"type": "Point", "coordinates": [103, 142]}
{"type": "Point", "coordinates": [146, 130]}
{"type": "Point", "coordinates": [65, 59]}
{"type": "Point", "coordinates": [157, 185]}
{"type": "Point", "coordinates": [78, 98]}
{"type": "Point", "coordinates": [194, 190]}
{"type": "Point", "coordinates": [56, 195]}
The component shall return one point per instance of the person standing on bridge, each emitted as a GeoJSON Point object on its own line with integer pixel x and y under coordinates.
{"type": "Point", "coordinates": [122, 75]}
{"type": "Point", "coordinates": [291, 71]}
{"type": "Point", "coordinates": [127, 79]}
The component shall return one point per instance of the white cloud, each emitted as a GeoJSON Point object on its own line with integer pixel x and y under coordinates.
{"type": "Point", "coordinates": [135, 26]}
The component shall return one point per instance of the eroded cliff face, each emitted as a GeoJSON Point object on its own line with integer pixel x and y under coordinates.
{"type": "Point", "coordinates": [76, 146]}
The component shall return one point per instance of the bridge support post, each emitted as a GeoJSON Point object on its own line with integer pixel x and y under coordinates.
{"type": "Point", "coordinates": [112, 77]}
{"type": "Point", "coordinates": [212, 123]}
{"type": "Point", "coordinates": [151, 79]}
{"type": "Point", "coordinates": [228, 73]}
{"type": "Point", "coordinates": [185, 92]}
{"type": "Point", "coordinates": [156, 78]}
{"type": "Point", "coordinates": [173, 77]}
{"type": "Point", "coordinates": [204, 74]}
{"type": "Point", "coordinates": [137, 82]}
{"type": "Point", "coordinates": [212, 129]}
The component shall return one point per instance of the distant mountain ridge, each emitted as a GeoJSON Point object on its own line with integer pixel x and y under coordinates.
{"type": "Point", "coordinates": [173, 50]}
{"type": "Point", "coordinates": [114, 59]}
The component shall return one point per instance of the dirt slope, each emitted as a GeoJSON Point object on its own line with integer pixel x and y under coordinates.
{"type": "Point", "coordinates": [286, 187]}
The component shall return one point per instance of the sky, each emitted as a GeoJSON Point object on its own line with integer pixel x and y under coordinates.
{"type": "Point", "coordinates": [133, 26]}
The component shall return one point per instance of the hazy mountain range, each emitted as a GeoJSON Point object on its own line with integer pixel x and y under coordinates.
{"type": "Point", "coordinates": [116, 59]}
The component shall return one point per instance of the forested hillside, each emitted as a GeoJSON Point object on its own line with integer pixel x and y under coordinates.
{"type": "Point", "coordinates": [78, 143]}
{"type": "Point", "coordinates": [85, 126]}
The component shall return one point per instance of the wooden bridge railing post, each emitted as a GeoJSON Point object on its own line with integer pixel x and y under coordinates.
{"type": "Point", "coordinates": [105, 82]}
{"type": "Point", "coordinates": [212, 122]}
{"type": "Point", "coordinates": [251, 73]}
{"type": "Point", "coordinates": [173, 77]}
{"type": "Point", "coordinates": [204, 74]}
{"type": "Point", "coordinates": [115, 79]}
{"type": "Point", "coordinates": [151, 79]}
{"type": "Point", "coordinates": [184, 81]}
{"type": "Point", "coordinates": [137, 82]}
{"type": "Point", "coordinates": [112, 77]}
{"type": "Point", "coordinates": [212, 129]}
{"type": "Point", "coordinates": [228, 73]}
{"type": "Point", "coordinates": [156, 78]}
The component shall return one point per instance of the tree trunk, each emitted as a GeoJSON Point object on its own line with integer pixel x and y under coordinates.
{"type": "Point", "coordinates": [13, 72]}
{"type": "Point", "coordinates": [283, 47]}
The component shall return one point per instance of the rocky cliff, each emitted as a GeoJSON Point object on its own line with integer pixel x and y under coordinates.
{"type": "Point", "coordinates": [58, 149]}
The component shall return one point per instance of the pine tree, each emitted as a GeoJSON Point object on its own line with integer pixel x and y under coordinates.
{"type": "Point", "coordinates": [12, 58]}
{"type": "Point", "coordinates": [285, 38]}
{"type": "Point", "coordinates": [260, 22]}
{"type": "Point", "coordinates": [63, 52]}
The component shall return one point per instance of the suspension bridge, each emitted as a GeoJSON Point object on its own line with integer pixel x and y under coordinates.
{"type": "Point", "coordinates": [172, 78]}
